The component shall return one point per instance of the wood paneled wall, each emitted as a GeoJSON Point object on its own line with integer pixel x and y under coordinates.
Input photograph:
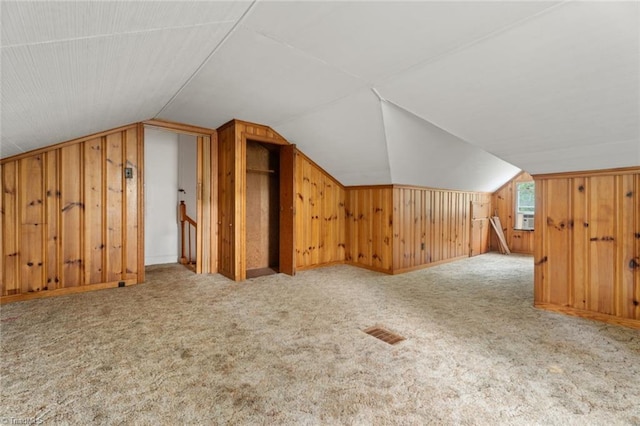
{"type": "Point", "coordinates": [71, 221]}
{"type": "Point", "coordinates": [431, 225]}
{"type": "Point", "coordinates": [320, 237]}
{"type": "Point", "coordinates": [587, 248]}
{"type": "Point", "coordinates": [370, 227]}
{"type": "Point", "coordinates": [503, 204]}
{"type": "Point", "coordinates": [395, 228]}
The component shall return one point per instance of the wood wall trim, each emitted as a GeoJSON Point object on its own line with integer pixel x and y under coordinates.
{"type": "Point", "coordinates": [429, 188]}
{"type": "Point", "coordinates": [235, 122]}
{"type": "Point", "coordinates": [589, 173]}
{"type": "Point", "coordinates": [595, 316]}
{"type": "Point", "coordinates": [66, 143]}
{"type": "Point", "coordinates": [369, 267]}
{"type": "Point", "coordinates": [180, 127]}
{"type": "Point", "coordinates": [277, 135]}
{"type": "Point", "coordinates": [322, 265]}
{"type": "Point", "coordinates": [359, 187]}
{"type": "Point", "coordinates": [265, 139]}
{"type": "Point", "coordinates": [428, 265]}
{"type": "Point", "coordinates": [141, 206]}
{"type": "Point", "coordinates": [64, 291]}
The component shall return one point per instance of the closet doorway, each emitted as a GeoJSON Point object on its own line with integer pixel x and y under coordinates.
{"type": "Point", "coordinates": [262, 208]}
{"type": "Point", "coordinates": [269, 214]}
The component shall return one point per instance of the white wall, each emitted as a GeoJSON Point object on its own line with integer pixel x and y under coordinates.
{"type": "Point", "coordinates": [161, 197]}
{"type": "Point", "coordinates": [187, 180]}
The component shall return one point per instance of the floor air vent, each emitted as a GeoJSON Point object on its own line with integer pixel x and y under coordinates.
{"type": "Point", "coordinates": [384, 335]}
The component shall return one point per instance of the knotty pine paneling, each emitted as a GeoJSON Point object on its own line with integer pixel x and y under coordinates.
{"type": "Point", "coordinates": [369, 227]}
{"type": "Point", "coordinates": [69, 217]}
{"type": "Point", "coordinates": [503, 205]}
{"type": "Point", "coordinates": [227, 201]}
{"type": "Point", "coordinates": [587, 246]}
{"type": "Point", "coordinates": [319, 216]}
{"type": "Point", "coordinates": [431, 225]}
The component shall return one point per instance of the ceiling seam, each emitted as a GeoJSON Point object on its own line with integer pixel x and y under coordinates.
{"type": "Point", "coordinates": [208, 58]}
{"type": "Point", "coordinates": [126, 33]}
{"type": "Point", "coordinates": [308, 54]}
{"type": "Point", "coordinates": [385, 133]}
{"type": "Point", "coordinates": [471, 43]}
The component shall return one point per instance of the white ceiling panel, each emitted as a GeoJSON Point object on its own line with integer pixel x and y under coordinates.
{"type": "Point", "coordinates": [346, 138]}
{"type": "Point", "coordinates": [423, 154]}
{"type": "Point", "coordinates": [255, 78]}
{"type": "Point", "coordinates": [590, 157]}
{"type": "Point", "coordinates": [58, 91]}
{"type": "Point", "coordinates": [8, 149]}
{"type": "Point", "coordinates": [373, 40]}
{"type": "Point", "coordinates": [566, 80]}
{"type": "Point", "coordinates": [45, 21]}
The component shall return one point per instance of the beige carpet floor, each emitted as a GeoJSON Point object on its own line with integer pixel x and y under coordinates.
{"type": "Point", "coordinates": [188, 349]}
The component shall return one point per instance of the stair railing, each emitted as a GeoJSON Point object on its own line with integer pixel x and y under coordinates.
{"type": "Point", "coordinates": [185, 219]}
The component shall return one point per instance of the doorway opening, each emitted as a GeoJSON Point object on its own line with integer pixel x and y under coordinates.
{"type": "Point", "coordinates": [262, 209]}
{"type": "Point", "coordinates": [178, 196]}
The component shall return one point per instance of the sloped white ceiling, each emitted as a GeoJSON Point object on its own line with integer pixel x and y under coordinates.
{"type": "Point", "coordinates": [447, 161]}
{"type": "Point", "coordinates": [350, 144]}
{"type": "Point", "coordinates": [75, 68]}
{"type": "Point", "coordinates": [546, 86]}
{"type": "Point", "coordinates": [557, 93]}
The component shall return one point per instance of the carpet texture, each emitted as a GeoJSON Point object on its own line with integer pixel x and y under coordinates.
{"type": "Point", "coordinates": [189, 349]}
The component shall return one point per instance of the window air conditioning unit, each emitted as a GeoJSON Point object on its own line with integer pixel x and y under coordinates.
{"type": "Point", "coordinates": [527, 221]}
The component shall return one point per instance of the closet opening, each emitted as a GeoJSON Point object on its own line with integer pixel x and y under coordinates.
{"type": "Point", "coordinates": [262, 209]}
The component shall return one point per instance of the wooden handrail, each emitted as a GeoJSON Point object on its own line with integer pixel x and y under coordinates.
{"type": "Point", "coordinates": [185, 218]}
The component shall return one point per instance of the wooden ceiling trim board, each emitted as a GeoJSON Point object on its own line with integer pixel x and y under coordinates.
{"type": "Point", "coordinates": [66, 143]}
{"type": "Point", "coordinates": [180, 127]}
{"type": "Point", "coordinates": [588, 173]}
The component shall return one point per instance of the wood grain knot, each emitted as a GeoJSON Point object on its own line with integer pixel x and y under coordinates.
{"type": "Point", "coordinates": [541, 261]}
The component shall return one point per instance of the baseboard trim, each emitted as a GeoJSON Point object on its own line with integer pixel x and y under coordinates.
{"type": "Point", "coordinates": [64, 291]}
{"type": "Point", "coordinates": [428, 265]}
{"type": "Point", "coordinates": [320, 265]}
{"type": "Point", "coordinates": [595, 316]}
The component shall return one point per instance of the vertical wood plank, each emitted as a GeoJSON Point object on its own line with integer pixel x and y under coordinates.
{"type": "Point", "coordinates": [287, 209]}
{"type": "Point", "coordinates": [602, 199]}
{"type": "Point", "coordinates": [625, 247]}
{"type": "Point", "coordinates": [2, 233]}
{"type": "Point", "coordinates": [636, 237]}
{"type": "Point", "coordinates": [558, 243]}
{"type": "Point", "coordinates": [72, 207]}
{"type": "Point", "coordinates": [94, 259]}
{"type": "Point", "coordinates": [214, 229]}
{"type": "Point", "coordinates": [240, 205]}
{"type": "Point", "coordinates": [32, 229]}
{"type": "Point", "coordinates": [52, 206]}
{"type": "Point", "coordinates": [11, 225]}
{"type": "Point", "coordinates": [114, 205]}
{"type": "Point", "coordinates": [140, 270]}
{"type": "Point", "coordinates": [580, 244]}
{"type": "Point", "coordinates": [131, 191]}
{"type": "Point", "coordinates": [32, 189]}
{"type": "Point", "coordinates": [540, 255]}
